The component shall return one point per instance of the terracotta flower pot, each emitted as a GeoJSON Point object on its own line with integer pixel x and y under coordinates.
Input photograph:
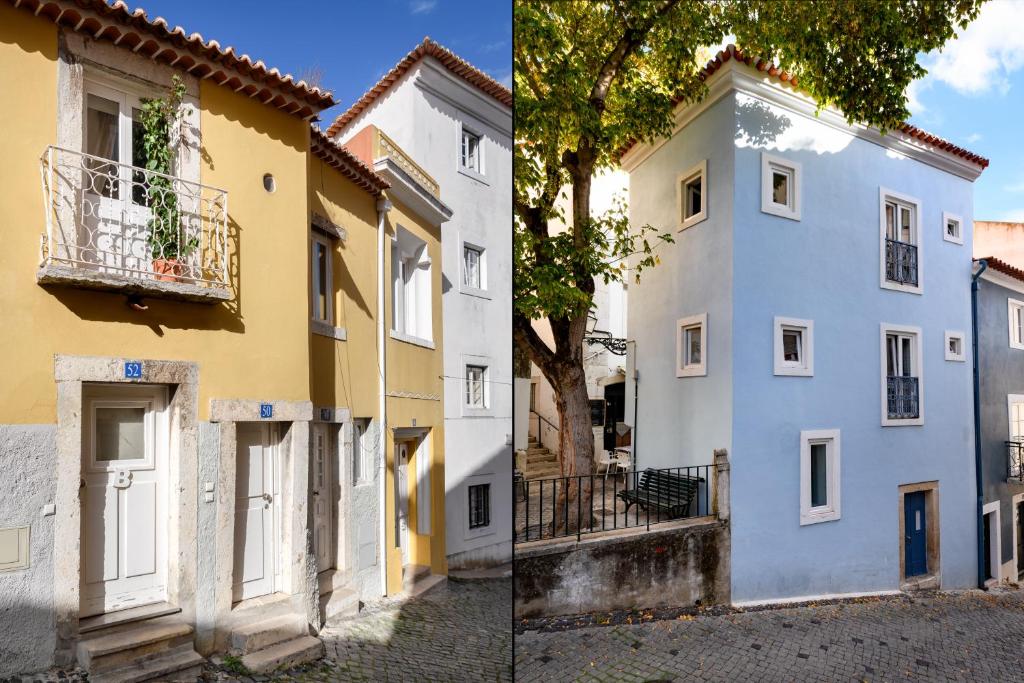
{"type": "Point", "coordinates": [167, 270]}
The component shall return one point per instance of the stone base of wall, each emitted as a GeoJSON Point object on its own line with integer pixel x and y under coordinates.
{"type": "Point", "coordinates": [675, 564]}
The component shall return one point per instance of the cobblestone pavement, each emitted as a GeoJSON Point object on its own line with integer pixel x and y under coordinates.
{"type": "Point", "coordinates": [458, 632]}
{"type": "Point", "coordinates": [966, 636]}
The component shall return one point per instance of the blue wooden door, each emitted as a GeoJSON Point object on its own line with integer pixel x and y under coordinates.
{"type": "Point", "coordinates": [914, 541]}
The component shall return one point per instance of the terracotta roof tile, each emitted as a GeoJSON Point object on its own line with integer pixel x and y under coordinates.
{"type": "Point", "coordinates": [157, 40]}
{"type": "Point", "coordinates": [346, 163]}
{"type": "Point", "coordinates": [448, 59]}
{"type": "Point", "coordinates": [733, 52]}
{"type": "Point", "coordinates": [1003, 267]}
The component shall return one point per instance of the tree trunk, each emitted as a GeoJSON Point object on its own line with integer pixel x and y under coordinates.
{"type": "Point", "coordinates": [576, 457]}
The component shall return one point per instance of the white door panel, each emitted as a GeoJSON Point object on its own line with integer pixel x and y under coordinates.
{"type": "Point", "coordinates": [256, 511]}
{"type": "Point", "coordinates": [321, 495]}
{"type": "Point", "coordinates": [140, 520]}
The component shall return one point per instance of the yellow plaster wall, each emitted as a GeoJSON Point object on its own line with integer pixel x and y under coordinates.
{"type": "Point", "coordinates": [256, 346]}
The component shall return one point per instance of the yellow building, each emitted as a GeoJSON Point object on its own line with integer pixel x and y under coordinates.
{"type": "Point", "coordinates": [177, 421]}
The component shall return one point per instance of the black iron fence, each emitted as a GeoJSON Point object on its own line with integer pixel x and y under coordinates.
{"type": "Point", "coordinates": [900, 262]}
{"type": "Point", "coordinates": [903, 398]}
{"type": "Point", "coordinates": [1014, 457]}
{"type": "Point", "coordinates": [559, 507]}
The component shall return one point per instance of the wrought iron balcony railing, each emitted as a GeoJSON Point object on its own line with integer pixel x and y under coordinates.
{"type": "Point", "coordinates": [900, 262]}
{"type": "Point", "coordinates": [117, 224]}
{"type": "Point", "coordinates": [902, 398]}
{"type": "Point", "coordinates": [1015, 460]}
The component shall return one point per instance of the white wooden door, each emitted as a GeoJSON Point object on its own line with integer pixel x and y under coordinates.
{"type": "Point", "coordinates": [322, 490]}
{"type": "Point", "coordinates": [256, 511]}
{"type": "Point", "coordinates": [402, 498]}
{"type": "Point", "coordinates": [124, 497]}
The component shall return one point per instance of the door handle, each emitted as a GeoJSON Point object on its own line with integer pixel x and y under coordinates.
{"type": "Point", "coordinates": [267, 497]}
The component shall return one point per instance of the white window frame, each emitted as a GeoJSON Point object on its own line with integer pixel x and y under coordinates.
{"type": "Point", "coordinates": [412, 299]}
{"type": "Point", "coordinates": [996, 549]}
{"type": "Point", "coordinates": [492, 528]}
{"type": "Point", "coordinates": [1010, 400]}
{"type": "Point", "coordinates": [805, 366]}
{"type": "Point", "coordinates": [479, 173]}
{"type": "Point", "coordinates": [316, 239]}
{"type": "Point", "coordinates": [887, 194]}
{"type": "Point", "coordinates": [480, 291]}
{"type": "Point", "coordinates": [483, 386]}
{"type": "Point", "coordinates": [696, 369]}
{"type": "Point", "coordinates": [769, 164]}
{"type": "Point", "coordinates": [700, 170]}
{"type": "Point", "coordinates": [956, 239]}
{"type": "Point", "coordinates": [1013, 305]}
{"type": "Point", "coordinates": [833, 510]}
{"type": "Point", "coordinates": [917, 360]}
{"type": "Point", "coordinates": [487, 363]}
{"type": "Point", "coordinates": [362, 446]}
{"type": "Point", "coordinates": [950, 356]}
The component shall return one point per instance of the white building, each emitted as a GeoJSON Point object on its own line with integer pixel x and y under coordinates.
{"type": "Point", "coordinates": [457, 122]}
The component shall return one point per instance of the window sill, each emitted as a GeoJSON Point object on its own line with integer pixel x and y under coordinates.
{"type": "Point", "coordinates": [477, 412]}
{"type": "Point", "coordinates": [328, 330]}
{"type": "Point", "coordinates": [473, 291]}
{"type": "Point", "coordinates": [786, 371]}
{"type": "Point", "coordinates": [781, 212]}
{"type": "Point", "coordinates": [897, 287]}
{"type": "Point", "coordinates": [807, 518]}
{"type": "Point", "coordinates": [908, 422]}
{"type": "Point", "coordinates": [692, 372]}
{"type": "Point", "coordinates": [481, 532]}
{"type": "Point", "coordinates": [410, 339]}
{"type": "Point", "coordinates": [475, 175]}
{"type": "Point", "coordinates": [693, 220]}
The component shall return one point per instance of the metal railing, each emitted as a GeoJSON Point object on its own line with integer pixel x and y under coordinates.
{"type": "Point", "coordinates": [383, 146]}
{"type": "Point", "coordinates": [127, 221]}
{"type": "Point", "coordinates": [1015, 460]}
{"type": "Point", "coordinates": [900, 262]}
{"type": "Point", "coordinates": [542, 424]}
{"type": "Point", "coordinates": [558, 507]}
{"type": "Point", "coordinates": [902, 398]}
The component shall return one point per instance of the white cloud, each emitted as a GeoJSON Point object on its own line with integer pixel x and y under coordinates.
{"type": "Point", "coordinates": [973, 137]}
{"type": "Point", "coordinates": [914, 90]}
{"type": "Point", "coordinates": [422, 6]}
{"type": "Point", "coordinates": [981, 58]}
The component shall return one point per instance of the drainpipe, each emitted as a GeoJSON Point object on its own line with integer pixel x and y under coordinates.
{"type": "Point", "coordinates": [383, 206]}
{"type": "Point", "coordinates": [983, 264]}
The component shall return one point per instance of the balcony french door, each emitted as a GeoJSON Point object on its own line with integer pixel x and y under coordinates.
{"type": "Point", "coordinates": [114, 202]}
{"type": "Point", "coordinates": [902, 385]}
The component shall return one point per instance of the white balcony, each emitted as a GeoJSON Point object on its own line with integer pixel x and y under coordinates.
{"type": "Point", "coordinates": [124, 228]}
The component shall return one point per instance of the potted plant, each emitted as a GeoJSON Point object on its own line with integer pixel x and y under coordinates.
{"type": "Point", "coordinates": [168, 244]}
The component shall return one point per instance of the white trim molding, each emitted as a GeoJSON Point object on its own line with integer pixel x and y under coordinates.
{"type": "Point", "coordinates": [917, 361]}
{"type": "Point", "coordinates": [1015, 500]}
{"type": "Point", "coordinates": [771, 163]}
{"type": "Point", "coordinates": [1014, 308]}
{"type": "Point", "coordinates": [700, 170]}
{"type": "Point", "coordinates": [959, 354]}
{"type": "Point", "coordinates": [995, 556]}
{"type": "Point", "coordinates": [884, 194]}
{"type": "Point", "coordinates": [831, 510]}
{"type": "Point", "coordinates": [692, 369]}
{"type": "Point", "coordinates": [947, 217]}
{"type": "Point", "coordinates": [803, 367]}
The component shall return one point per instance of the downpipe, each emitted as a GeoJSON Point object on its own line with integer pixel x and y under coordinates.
{"type": "Point", "coordinates": [383, 206]}
{"type": "Point", "coordinates": [983, 265]}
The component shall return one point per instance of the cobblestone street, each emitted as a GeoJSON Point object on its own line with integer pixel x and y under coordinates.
{"type": "Point", "coordinates": [970, 636]}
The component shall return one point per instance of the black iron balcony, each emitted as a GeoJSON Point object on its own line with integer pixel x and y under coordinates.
{"type": "Point", "coordinates": [1014, 458]}
{"type": "Point", "coordinates": [902, 395]}
{"type": "Point", "coordinates": [901, 262]}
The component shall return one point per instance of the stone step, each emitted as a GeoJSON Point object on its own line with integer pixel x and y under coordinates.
{"type": "Point", "coordinates": [542, 472]}
{"type": "Point", "coordinates": [289, 653]}
{"type": "Point", "coordinates": [541, 457]}
{"type": "Point", "coordinates": [533, 450]}
{"type": "Point", "coordinates": [176, 666]}
{"type": "Point", "coordinates": [341, 603]}
{"type": "Point", "coordinates": [424, 584]}
{"type": "Point", "coordinates": [261, 634]}
{"type": "Point", "coordinates": [107, 651]}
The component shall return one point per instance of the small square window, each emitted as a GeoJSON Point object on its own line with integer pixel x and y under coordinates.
{"type": "Point", "coordinates": [780, 187]}
{"type": "Point", "coordinates": [794, 347]}
{"type": "Point", "coordinates": [1015, 314]}
{"type": "Point", "coordinates": [479, 506]}
{"type": "Point", "coordinates": [691, 195]}
{"type": "Point", "coordinates": [476, 377]}
{"type": "Point", "coordinates": [691, 346]}
{"type": "Point", "coordinates": [955, 346]}
{"type": "Point", "coordinates": [952, 228]}
{"type": "Point", "coordinates": [469, 156]}
{"type": "Point", "coordinates": [819, 476]}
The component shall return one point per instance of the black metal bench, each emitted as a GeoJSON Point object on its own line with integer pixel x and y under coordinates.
{"type": "Point", "coordinates": [664, 491]}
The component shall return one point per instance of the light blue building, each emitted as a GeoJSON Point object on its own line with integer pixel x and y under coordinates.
{"type": "Point", "coordinates": [813, 317]}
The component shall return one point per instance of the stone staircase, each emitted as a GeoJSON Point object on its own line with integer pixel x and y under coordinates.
{"type": "Point", "coordinates": [275, 642]}
{"type": "Point", "coordinates": [540, 462]}
{"type": "Point", "coordinates": [417, 580]}
{"type": "Point", "coordinates": [153, 650]}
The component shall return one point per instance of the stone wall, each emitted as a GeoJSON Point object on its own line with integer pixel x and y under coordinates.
{"type": "Point", "coordinates": [681, 563]}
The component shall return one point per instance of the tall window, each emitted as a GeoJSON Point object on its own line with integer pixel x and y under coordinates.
{"type": "Point", "coordinates": [476, 394]}
{"type": "Point", "coordinates": [901, 256]}
{"type": "Point", "coordinates": [362, 468]}
{"type": "Point", "coordinates": [691, 346]}
{"type": "Point", "coordinates": [470, 151]}
{"type": "Point", "coordinates": [472, 261]}
{"type": "Point", "coordinates": [780, 186]}
{"type": "Point", "coordinates": [902, 375]}
{"type": "Point", "coordinates": [479, 506]}
{"type": "Point", "coordinates": [322, 276]}
{"type": "Point", "coordinates": [819, 476]}
{"type": "Point", "coordinates": [691, 194]}
{"type": "Point", "coordinates": [1015, 314]}
{"type": "Point", "coordinates": [411, 274]}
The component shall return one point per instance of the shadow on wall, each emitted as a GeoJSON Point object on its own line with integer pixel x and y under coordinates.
{"type": "Point", "coordinates": [757, 124]}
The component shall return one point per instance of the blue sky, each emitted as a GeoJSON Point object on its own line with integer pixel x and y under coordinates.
{"type": "Point", "coordinates": [973, 96]}
{"type": "Point", "coordinates": [353, 42]}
